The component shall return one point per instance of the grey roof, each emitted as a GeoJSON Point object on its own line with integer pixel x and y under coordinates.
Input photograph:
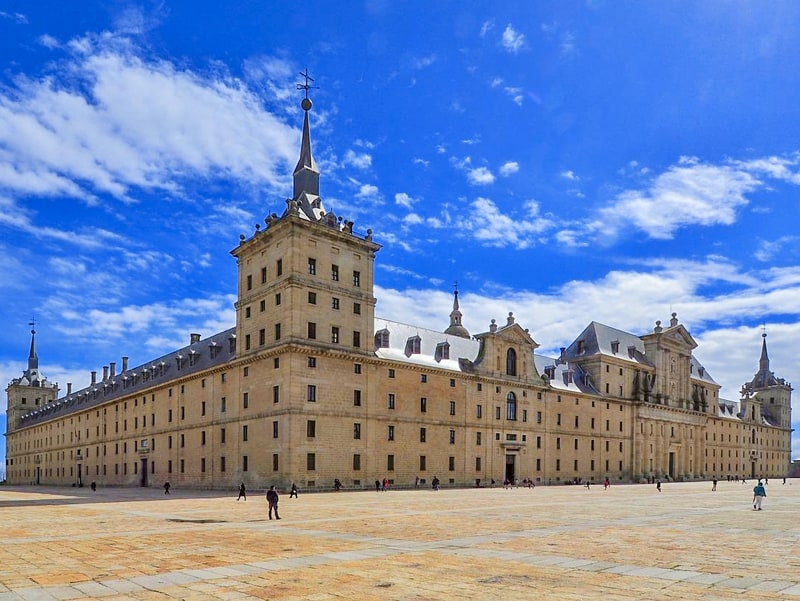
{"type": "Point", "coordinates": [400, 333]}
{"type": "Point", "coordinates": [195, 357]}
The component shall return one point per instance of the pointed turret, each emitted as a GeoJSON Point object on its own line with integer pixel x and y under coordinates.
{"type": "Point", "coordinates": [306, 174]}
{"type": "Point", "coordinates": [33, 359]}
{"type": "Point", "coordinates": [763, 362]}
{"type": "Point", "coordinates": [455, 328]}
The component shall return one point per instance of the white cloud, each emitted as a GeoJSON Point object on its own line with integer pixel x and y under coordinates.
{"type": "Point", "coordinates": [767, 249]}
{"type": "Point", "coordinates": [18, 18]}
{"type": "Point", "coordinates": [512, 40]}
{"type": "Point", "coordinates": [424, 61]}
{"type": "Point", "coordinates": [570, 175]}
{"type": "Point", "coordinates": [423, 162]}
{"type": "Point", "coordinates": [367, 191]}
{"type": "Point", "coordinates": [404, 200]}
{"type": "Point", "coordinates": [48, 41]}
{"type": "Point", "coordinates": [489, 226]}
{"type": "Point", "coordinates": [359, 160]}
{"type": "Point", "coordinates": [509, 168]}
{"type": "Point", "coordinates": [515, 94]}
{"type": "Point", "coordinates": [480, 176]}
{"type": "Point", "coordinates": [89, 132]}
{"type": "Point", "coordinates": [486, 27]}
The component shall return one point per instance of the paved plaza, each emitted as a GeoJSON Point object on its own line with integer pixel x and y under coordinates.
{"type": "Point", "coordinates": [560, 542]}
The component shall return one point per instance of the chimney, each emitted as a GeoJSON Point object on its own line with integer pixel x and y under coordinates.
{"type": "Point", "coordinates": [69, 388]}
{"type": "Point", "coordinates": [94, 378]}
{"type": "Point", "coordinates": [113, 369]}
{"type": "Point", "coordinates": [193, 338]}
{"type": "Point", "coordinates": [105, 373]}
{"type": "Point", "coordinates": [124, 364]}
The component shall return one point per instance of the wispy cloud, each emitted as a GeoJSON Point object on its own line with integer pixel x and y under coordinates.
{"type": "Point", "coordinates": [512, 40]}
{"type": "Point", "coordinates": [404, 200]}
{"type": "Point", "coordinates": [509, 168]}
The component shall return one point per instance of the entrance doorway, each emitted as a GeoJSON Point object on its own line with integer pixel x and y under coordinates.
{"type": "Point", "coordinates": [144, 471]}
{"type": "Point", "coordinates": [671, 466]}
{"type": "Point", "coordinates": [510, 467]}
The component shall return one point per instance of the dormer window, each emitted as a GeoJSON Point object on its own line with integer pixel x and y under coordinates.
{"type": "Point", "coordinates": [615, 346]}
{"type": "Point", "coordinates": [413, 346]}
{"type": "Point", "coordinates": [550, 371]}
{"type": "Point", "coordinates": [442, 351]}
{"type": "Point", "coordinates": [631, 352]}
{"type": "Point", "coordinates": [382, 338]}
{"type": "Point", "coordinates": [581, 347]}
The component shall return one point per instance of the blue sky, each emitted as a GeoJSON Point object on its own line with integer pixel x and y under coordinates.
{"type": "Point", "coordinates": [567, 161]}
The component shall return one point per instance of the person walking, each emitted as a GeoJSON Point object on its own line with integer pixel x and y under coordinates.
{"type": "Point", "coordinates": [435, 483]}
{"type": "Point", "coordinates": [713, 485]}
{"type": "Point", "coordinates": [758, 495]}
{"type": "Point", "coordinates": [293, 492]}
{"type": "Point", "coordinates": [658, 485]}
{"type": "Point", "coordinates": [166, 488]}
{"type": "Point", "coordinates": [272, 500]}
{"type": "Point", "coordinates": [242, 492]}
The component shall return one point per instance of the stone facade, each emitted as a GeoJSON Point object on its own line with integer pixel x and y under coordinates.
{"type": "Point", "coordinates": [309, 386]}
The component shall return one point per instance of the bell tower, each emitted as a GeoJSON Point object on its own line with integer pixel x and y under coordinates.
{"type": "Point", "coordinates": [29, 392]}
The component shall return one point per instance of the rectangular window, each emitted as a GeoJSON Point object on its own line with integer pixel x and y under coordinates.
{"type": "Point", "coordinates": [277, 331]}
{"type": "Point", "coordinates": [538, 442]}
{"type": "Point", "coordinates": [356, 368]}
{"type": "Point", "coordinates": [451, 464]}
{"type": "Point", "coordinates": [335, 273]}
{"type": "Point", "coordinates": [222, 435]}
{"type": "Point", "coordinates": [497, 412]}
{"type": "Point", "coordinates": [263, 275]}
{"type": "Point", "coordinates": [311, 428]}
{"type": "Point", "coordinates": [357, 339]}
{"type": "Point", "coordinates": [357, 308]}
{"type": "Point", "coordinates": [245, 400]}
{"type": "Point", "coordinates": [279, 267]}
{"type": "Point", "coordinates": [275, 462]}
{"type": "Point", "coordinates": [245, 372]}
{"type": "Point", "coordinates": [423, 378]}
{"type": "Point", "coordinates": [422, 434]}
{"type": "Point", "coordinates": [247, 312]}
{"type": "Point", "coordinates": [577, 422]}
{"type": "Point", "coordinates": [558, 443]}
{"type": "Point", "coordinates": [312, 266]}
{"type": "Point", "coordinates": [390, 463]}
{"type": "Point", "coordinates": [277, 299]}
{"type": "Point", "coordinates": [311, 462]}
{"type": "Point", "coordinates": [357, 279]}
{"type": "Point", "coordinates": [335, 303]}
{"type": "Point", "coordinates": [452, 437]}
{"type": "Point", "coordinates": [312, 298]}
{"type": "Point", "coordinates": [452, 407]}
{"type": "Point", "coordinates": [223, 405]}
{"type": "Point", "coordinates": [312, 362]}
{"type": "Point", "coordinates": [391, 373]}
{"type": "Point", "coordinates": [356, 462]}
{"type": "Point", "coordinates": [183, 443]}
{"type": "Point", "coordinates": [183, 463]}
{"type": "Point", "coordinates": [247, 342]}
{"type": "Point", "coordinates": [391, 400]}
{"type": "Point", "coordinates": [391, 433]}
{"type": "Point", "coordinates": [334, 335]}
{"type": "Point", "coordinates": [357, 398]}
{"type": "Point", "coordinates": [478, 438]}
{"type": "Point", "coordinates": [249, 282]}
{"type": "Point", "coordinates": [276, 394]}
{"type": "Point", "coordinates": [202, 438]}
{"type": "Point", "coordinates": [222, 464]}
{"type": "Point", "coordinates": [356, 431]}
{"type": "Point", "coordinates": [312, 330]}
{"type": "Point", "coordinates": [477, 464]}
{"type": "Point", "coordinates": [452, 383]}
{"type": "Point", "coordinates": [524, 415]}
{"type": "Point", "coordinates": [244, 433]}
{"type": "Point", "coordinates": [423, 463]}
{"type": "Point", "coordinates": [558, 419]}
{"type": "Point", "coordinates": [202, 464]}
{"type": "Point", "coordinates": [202, 408]}
{"type": "Point", "coordinates": [244, 463]}
{"type": "Point", "coordinates": [479, 411]}
{"type": "Point", "coordinates": [311, 393]}
{"type": "Point", "coordinates": [275, 429]}
{"type": "Point", "coordinates": [276, 362]}
{"type": "Point", "coordinates": [423, 405]}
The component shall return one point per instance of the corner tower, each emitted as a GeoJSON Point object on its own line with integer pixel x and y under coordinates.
{"type": "Point", "coordinates": [29, 392]}
{"type": "Point", "coordinates": [306, 278]}
{"type": "Point", "coordinates": [774, 394]}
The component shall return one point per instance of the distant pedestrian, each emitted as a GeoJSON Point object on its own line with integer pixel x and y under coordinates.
{"type": "Point", "coordinates": [435, 483]}
{"type": "Point", "coordinates": [166, 488]}
{"type": "Point", "coordinates": [242, 492]}
{"type": "Point", "coordinates": [377, 486]}
{"type": "Point", "coordinates": [337, 485]}
{"type": "Point", "coordinates": [272, 501]}
{"type": "Point", "coordinates": [93, 486]}
{"type": "Point", "coordinates": [766, 481]}
{"type": "Point", "coordinates": [658, 485]}
{"type": "Point", "coordinates": [713, 485]}
{"type": "Point", "coordinates": [588, 483]}
{"type": "Point", "coordinates": [784, 479]}
{"type": "Point", "coordinates": [743, 480]}
{"type": "Point", "coordinates": [416, 482]}
{"type": "Point", "coordinates": [758, 495]}
{"type": "Point", "coordinates": [606, 484]}
{"type": "Point", "coordinates": [293, 492]}
{"type": "Point", "coordinates": [385, 484]}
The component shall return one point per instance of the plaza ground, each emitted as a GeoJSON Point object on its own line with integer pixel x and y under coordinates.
{"type": "Point", "coordinates": [560, 542]}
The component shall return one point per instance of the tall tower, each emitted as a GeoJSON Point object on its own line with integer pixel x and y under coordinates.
{"type": "Point", "coordinates": [773, 394]}
{"type": "Point", "coordinates": [306, 278]}
{"type": "Point", "coordinates": [29, 392]}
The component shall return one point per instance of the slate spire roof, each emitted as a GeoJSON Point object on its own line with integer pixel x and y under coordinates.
{"type": "Point", "coordinates": [455, 328]}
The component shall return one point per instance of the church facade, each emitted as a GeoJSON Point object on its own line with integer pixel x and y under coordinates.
{"type": "Point", "coordinates": [309, 386]}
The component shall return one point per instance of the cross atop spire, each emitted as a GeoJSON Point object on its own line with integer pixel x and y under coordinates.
{"type": "Point", "coordinates": [305, 86]}
{"type": "Point", "coordinates": [456, 328]}
{"type": "Point", "coordinates": [306, 175]}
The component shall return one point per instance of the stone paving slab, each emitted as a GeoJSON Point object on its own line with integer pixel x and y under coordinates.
{"type": "Point", "coordinates": [549, 543]}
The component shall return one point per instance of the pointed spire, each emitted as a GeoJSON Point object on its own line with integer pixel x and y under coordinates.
{"type": "Point", "coordinates": [33, 359]}
{"type": "Point", "coordinates": [763, 362]}
{"type": "Point", "coordinates": [306, 175]}
{"type": "Point", "coordinates": [455, 328]}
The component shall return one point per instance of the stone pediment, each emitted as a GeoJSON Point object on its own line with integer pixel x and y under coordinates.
{"type": "Point", "coordinates": [512, 334]}
{"type": "Point", "coordinates": [681, 336]}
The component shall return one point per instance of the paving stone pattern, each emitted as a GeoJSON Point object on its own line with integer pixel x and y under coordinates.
{"type": "Point", "coordinates": [562, 542]}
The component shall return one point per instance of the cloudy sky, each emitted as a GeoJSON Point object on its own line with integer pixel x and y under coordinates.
{"type": "Point", "coordinates": [567, 161]}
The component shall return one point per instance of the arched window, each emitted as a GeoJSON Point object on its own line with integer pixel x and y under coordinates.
{"type": "Point", "coordinates": [511, 362]}
{"type": "Point", "coordinates": [511, 407]}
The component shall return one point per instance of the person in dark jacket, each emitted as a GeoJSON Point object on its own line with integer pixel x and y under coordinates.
{"type": "Point", "coordinates": [272, 500]}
